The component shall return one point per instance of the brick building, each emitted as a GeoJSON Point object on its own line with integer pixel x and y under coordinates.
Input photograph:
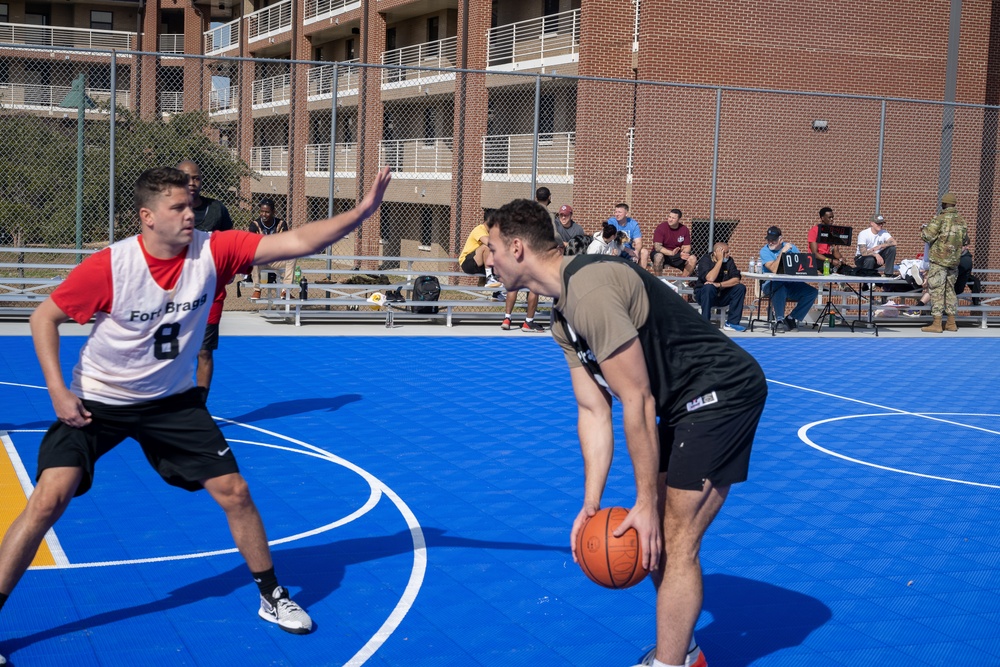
{"type": "Point", "coordinates": [462, 142]}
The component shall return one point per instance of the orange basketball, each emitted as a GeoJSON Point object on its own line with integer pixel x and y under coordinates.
{"type": "Point", "coordinates": [612, 562]}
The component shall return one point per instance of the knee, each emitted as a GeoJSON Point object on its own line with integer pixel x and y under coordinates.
{"type": "Point", "coordinates": [47, 503]}
{"type": "Point", "coordinates": [231, 492]}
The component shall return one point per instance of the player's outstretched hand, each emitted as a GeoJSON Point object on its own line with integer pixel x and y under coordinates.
{"type": "Point", "coordinates": [581, 518]}
{"type": "Point", "coordinates": [375, 193]}
{"type": "Point", "coordinates": [69, 409]}
{"type": "Point", "coordinates": [646, 521]}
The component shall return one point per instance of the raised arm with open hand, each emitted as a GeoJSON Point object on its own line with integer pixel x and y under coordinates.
{"type": "Point", "coordinates": [315, 236]}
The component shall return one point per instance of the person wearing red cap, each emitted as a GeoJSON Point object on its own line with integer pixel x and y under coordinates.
{"type": "Point", "coordinates": [567, 227]}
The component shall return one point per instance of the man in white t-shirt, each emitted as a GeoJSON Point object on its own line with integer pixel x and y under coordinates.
{"type": "Point", "coordinates": [876, 248]}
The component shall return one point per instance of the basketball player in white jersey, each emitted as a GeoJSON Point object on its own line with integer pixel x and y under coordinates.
{"type": "Point", "coordinates": [151, 295]}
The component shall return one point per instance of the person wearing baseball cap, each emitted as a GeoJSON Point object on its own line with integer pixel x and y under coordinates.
{"type": "Point", "coordinates": [567, 227]}
{"type": "Point", "coordinates": [876, 248]}
{"type": "Point", "coordinates": [781, 291]}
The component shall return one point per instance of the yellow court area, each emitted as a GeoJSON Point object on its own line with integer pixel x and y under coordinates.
{"type": "Point", "coordinates": [13, 497]}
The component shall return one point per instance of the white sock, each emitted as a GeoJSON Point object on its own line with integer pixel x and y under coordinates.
{"type": "Point", "coordinates": [507, 316]}
{"type": "Point", "coordinates": [657, 663]}
{"type": "Point", "coordinates": [529, 319]}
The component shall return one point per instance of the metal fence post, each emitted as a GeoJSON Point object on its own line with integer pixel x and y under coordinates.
{"type": "Point", "coordinates": [881, 156]}
{"type": "Point", "coordinates": [332, 162]}
{"type": "Point", "coordinates": [715, 169]}
{"type": "Point", "coordinates": [534, 144]}
{"type": "Point", "coordinates": [111, 157]}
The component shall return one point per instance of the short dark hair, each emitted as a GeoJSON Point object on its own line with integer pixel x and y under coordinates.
{"type": "Point", "coordinates": [823, 211]}
{"type": "Point", "coordinates": [527, 220]}
{"type": "Point", "coordinates": [622, 205]}
{"type": "Point", "coordinates": [157, 181]}
{"type": "Point", "coordinates": [609, 231]}
{"type": "Point", "coordinates": [266, 201]}
{"type": "Point", "coordinates": [542, 194]}
{"type": "Point", "coordinates": [678, 212]}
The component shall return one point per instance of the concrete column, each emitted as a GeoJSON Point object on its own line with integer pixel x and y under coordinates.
{"type": "Point", "coordinates": [370, 112]}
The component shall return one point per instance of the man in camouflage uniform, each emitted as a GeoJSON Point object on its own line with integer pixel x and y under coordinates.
{"type": "Point", "coordinates": [946, 233]}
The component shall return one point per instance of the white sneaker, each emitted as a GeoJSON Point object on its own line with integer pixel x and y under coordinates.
{"type": "Point", "coordinates": [289, 616]}
{"type": "Point", "coordinates": [694, 658]}
{"type": "Point", "coordinates": [492, 282]}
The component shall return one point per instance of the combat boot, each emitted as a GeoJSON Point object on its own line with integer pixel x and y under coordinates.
{"type": "Point", "coordinates": [933, 327]}
{"type": "Point", "coordinates": [951, 325]}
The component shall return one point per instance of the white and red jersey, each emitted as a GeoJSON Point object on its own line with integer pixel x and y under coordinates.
{"type": "Point", "coordinates": [150, 314]}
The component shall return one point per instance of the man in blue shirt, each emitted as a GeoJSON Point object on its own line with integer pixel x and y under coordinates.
{"type": "Point", "coordinates": [780, 291]}
{"type": "Point", "coordinates": [633, 245]}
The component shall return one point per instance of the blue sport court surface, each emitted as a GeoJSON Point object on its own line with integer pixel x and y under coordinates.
{"type": "Point", "coordinates": [419, 493]}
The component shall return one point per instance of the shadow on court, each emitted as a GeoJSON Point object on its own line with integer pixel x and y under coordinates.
{"type": "Point", "coordinates": [297, 407]}
{"type": "Point", "coordinates": [752, 619]}
{"type": "Point", "coordinates": [312, 573]}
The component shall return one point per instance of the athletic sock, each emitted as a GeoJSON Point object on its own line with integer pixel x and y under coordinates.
{"type": "Point", "coordinates": [657, 663]}
{"type": "Point", "coordinates": [266, 581]}
{"type": "Point", "coordinates": [507, 316]}
{"type": "Point", "coordinates": [529, 319]}
{"type": "Point", "coordinates": [3, 599]}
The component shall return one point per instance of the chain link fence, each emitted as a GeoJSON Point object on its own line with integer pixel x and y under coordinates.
{"type": "Point", "coordinates": [310, 135]}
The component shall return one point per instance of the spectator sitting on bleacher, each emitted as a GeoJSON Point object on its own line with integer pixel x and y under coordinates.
{"type": "Point", "coordinates": [964, 279]}
{"type": "Point", "coordinates": [719, 284]}
{"type": "Point", "coordinates": [632, 245]}
{"type": "Point", "coordinates": [266, 225]}
{"type": "Point", "coordinates": [475, 258]}
{"type": "Point", "coordinates": [780, 291]}
{"type": "Point", "coordinates": [876, 248]}
{"type": "Point", "coordinates": [672, 245]}
{"type": "Point", "coordinates": [824, 252]}
{"type": "Point", "coordinates": [606, 243]}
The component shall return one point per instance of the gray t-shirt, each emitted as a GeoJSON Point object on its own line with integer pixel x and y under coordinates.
{"type": "Point", "coordinates": [566, 233]}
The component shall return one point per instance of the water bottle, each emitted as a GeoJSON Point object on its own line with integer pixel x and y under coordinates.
{"type": "Point", "coordinates": [826, 267]}
{"type": "Point", "coordinates": [759, 266]}
{"type": "Point", "coordinates": [750, 269]}
{"type": "Point", "coordinates": [303, 287]}
{"type": "Point", "coordinates": [298, 274]}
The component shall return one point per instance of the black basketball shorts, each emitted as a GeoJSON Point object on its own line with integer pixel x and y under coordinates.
{"type": "Point", "coordinates": [717, 450]}
{"type": "Point", "coordinates": [469, 266]}
{"type": "Point", "coordinates": [177, 434]}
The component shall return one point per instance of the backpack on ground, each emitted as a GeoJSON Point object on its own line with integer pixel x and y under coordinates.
{"type": "Point", "coordinates": [426, 288]}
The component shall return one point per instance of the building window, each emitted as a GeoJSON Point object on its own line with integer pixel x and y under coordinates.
{"type": "Point", "coordinates": [100, 20]}
{"type": "Point", "coordinates": [546, 118]}
{"type": "Point", "coordinates": [426, 227]}
{"type": "Point", "coordinates": [347, 135]}
{"type": "Point", "coordinates": [3, 13]}
{"type": "Point", "coordinates": [430, 125]}
{"type": "Point", "coordinates": [349, 50]}
{"type": "Point", "coordinates": [433, 49]}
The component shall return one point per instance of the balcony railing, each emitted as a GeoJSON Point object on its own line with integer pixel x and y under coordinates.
{"type": "Point", "coordinates": [170, 44]}
{"type": "Point", "coordinates": [509, 157]}
{"type": "Point", "coordinates": [272, 90]}
{"type": "Point", "coordinates": [440, 53]}
{"type": "Point", "coordinates": [224, 100]}
{"type": "Point", "coordinates": [171, 101]}
{"type": "Point", "coordinates": [418, 158]}
{"type": "Point", "coordinates": [321, 80]}
{"type": "Point", "coordinates": [223, 38]}
{"type": "Point", "coordinates": [17, 33]}
{"type": "Point", "coordinates": [270, 21]}
{"type": "Point", "coordinates": [317, 10]}
{"type": "Point", "coordinates": [269, 159]}
{"type": "Point", "coordinates": [318, 160]}
{"type": "Point", "coordinates": [47, 98]}
{"type": "Point", "coordinates": [546, 40]}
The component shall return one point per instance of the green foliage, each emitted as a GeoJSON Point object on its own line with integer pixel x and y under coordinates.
{"type": "Point", "coordinates": [38, 183]}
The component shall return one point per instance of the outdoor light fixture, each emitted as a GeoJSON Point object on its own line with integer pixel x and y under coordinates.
{"type": "Point", "coordinates": [820, 125]}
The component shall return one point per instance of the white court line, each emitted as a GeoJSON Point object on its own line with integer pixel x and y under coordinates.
{"type": "Point", "coordinates": [21, 384]}
{"type": "Point", "coordinates": [377, 486]}
{"type": "Point", "coordinates": [26, 485]}
{"type": "Point", "coordinates": [805, 438]}
{"type": "Point", "coordinates": [923, 415]}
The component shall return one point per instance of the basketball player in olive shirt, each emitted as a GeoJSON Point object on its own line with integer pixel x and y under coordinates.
{"type": "Point", "coordinates": [614, 321]}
